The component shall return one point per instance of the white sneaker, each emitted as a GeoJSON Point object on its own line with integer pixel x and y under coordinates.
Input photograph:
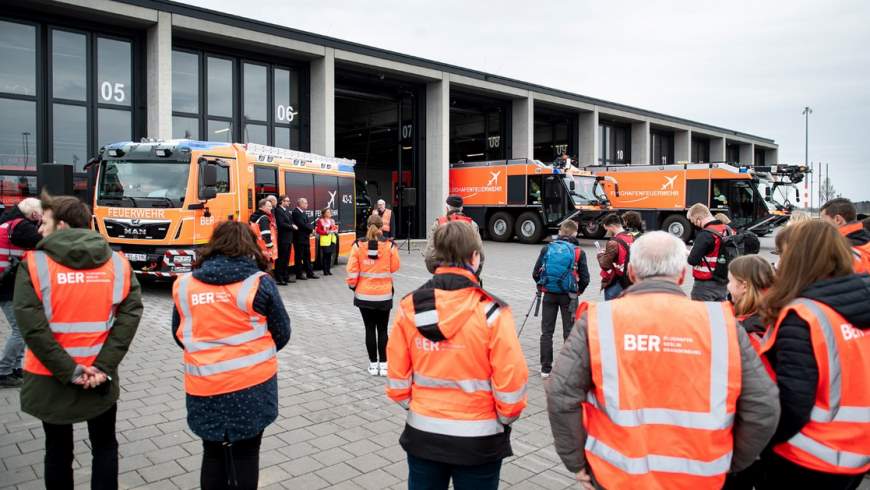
{"type": "Point", "coordinates": [383, 369]}
{"type": "Point", "coordinates": [544, 375]}
{"type": "Point", "coordinates": [373, 368]}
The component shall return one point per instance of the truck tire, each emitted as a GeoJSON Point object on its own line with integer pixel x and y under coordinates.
{"type": "Point", "coordinates": [529, 228]}
{"type": "Point", "coordinates": [593, 229]}
{"type": "Point", "coordinates": [678, 226]}
{"type": "Point", "coordinates": [500, 227]}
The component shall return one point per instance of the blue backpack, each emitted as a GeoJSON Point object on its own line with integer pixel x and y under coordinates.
{"type": "Point", "coordinates": [559, 268]}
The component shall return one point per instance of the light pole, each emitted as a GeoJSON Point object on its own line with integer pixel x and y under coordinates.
{"type": "Point", "coordinates": [806, 112]}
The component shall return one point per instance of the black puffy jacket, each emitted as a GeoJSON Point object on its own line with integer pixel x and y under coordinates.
{"type": "Point", "coordinates": [791, 357]}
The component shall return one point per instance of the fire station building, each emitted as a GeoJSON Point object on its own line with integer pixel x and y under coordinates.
{"type": "Point", "coordinates": [79, 74]}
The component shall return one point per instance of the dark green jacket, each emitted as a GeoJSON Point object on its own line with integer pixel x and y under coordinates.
{"type": "Point", "coordinates": [55, 399]}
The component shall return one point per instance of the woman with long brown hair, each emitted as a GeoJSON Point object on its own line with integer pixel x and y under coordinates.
{"type": "Point", "coordinates": [230, 321]}
{"type": "Point", "coordinates": [819, 349]}
{"type": "Point", "coordinates": [370, 267]}
{"type": "Point", "coordinates": [749, 277]}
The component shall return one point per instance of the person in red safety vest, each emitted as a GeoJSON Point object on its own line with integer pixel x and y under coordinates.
{"type": "Point", "coordinates": [705, 254]}
{"type": "Point", "coordinates": [819, 350]}
{"type": "Point", "coordinates": [453, 212]}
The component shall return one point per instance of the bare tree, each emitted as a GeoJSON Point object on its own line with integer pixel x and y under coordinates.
{"type": "Point", "coordinates": [827, 190]}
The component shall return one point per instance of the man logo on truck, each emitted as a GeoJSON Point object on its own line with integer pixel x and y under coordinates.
{"type": "Point", "coordinates": [494, 180]}
{"type": "Point", "coordinates": [670, 182]}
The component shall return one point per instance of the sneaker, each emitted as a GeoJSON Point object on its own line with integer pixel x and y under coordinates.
{"type": "Point", "coordinates": [382, 369]}
{"type": "Point", "coordinates": [544, 375]}
{"type": "Point", "coordinates": [9, 381]}
{"type": "Point", "coordinates": [373, 368]}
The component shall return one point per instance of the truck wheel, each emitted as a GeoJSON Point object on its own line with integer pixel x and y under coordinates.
{"type": "Point", "coordinates": [529, 228]}
{"type": "Point", "coordinates": [593, 229]}
{"type": "Point", "coordinates": [501, 227]}
{"type": "Point", "coordinates": [678, 226]}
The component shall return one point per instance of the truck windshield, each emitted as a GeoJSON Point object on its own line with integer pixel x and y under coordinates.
{"type": "Point", "coordinates": [142, 184]}
{"type": "Point", "coordinates": [741, 199]}
{"type": "Point", "coordinates": [585, 189]}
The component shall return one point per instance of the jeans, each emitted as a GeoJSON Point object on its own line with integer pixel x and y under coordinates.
{"type": "Point", "coordinates": [424, 474]}
{"type": "Point", "coordinates": [613, 291]}
{"type": "Point", "coordinates": [709, 291]}
{"type": "Point", "coordinates": [104, 449]}
{"type": "Point", "coordinates": [554, 304]}
{"type": "Point", "coordinates": [13, 352]}
{"type": "Point", "coordinates": [376, 323]}
{"type": "Point", "coordinates": [231, 465]}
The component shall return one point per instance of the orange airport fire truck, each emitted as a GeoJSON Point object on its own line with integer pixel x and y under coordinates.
{"type": "Point", "coordinates": [525, 198]}
{"type": "Point", "coordinates": [663, 193]}
{"type": "Point", "coordinates": [158, 201]}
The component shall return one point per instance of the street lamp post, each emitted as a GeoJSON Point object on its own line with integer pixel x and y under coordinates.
{"type": "Point", "coordinates": [806, 112]}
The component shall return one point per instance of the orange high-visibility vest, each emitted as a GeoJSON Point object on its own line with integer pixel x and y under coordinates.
{"type": "Point", "coordinates": [388, 213]}
{"type": "Point", "coordinates": [442, 220]}
{"type": "Point", "coordinates": [459, 386]}
{"type": "Point", "coordinates": [79, 304]}
{"type": "Point", "coordinates": [837, 437]}
{"type": "Point", "coordinates": [227, 345]}
{"type": "Point", "coordinates": [666, 374]}
{"type": "Point", "coordinates": [860, 253]}
{"type": "Point", "coordinates": [370, 272]}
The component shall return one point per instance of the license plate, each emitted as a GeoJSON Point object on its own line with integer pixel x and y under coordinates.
{"type": "Point", "coordinates": [137, 257]}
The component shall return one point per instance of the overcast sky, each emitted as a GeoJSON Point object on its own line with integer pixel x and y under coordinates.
{"type": "Point", "coordinates": [747, 66]}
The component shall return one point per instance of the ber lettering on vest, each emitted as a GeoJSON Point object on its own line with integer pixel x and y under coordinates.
{"type": "Point", "coordinates": [70, 277]}
{"type": "Point", "coordinates": [641, 343]}
{"type": "Point", "coordinates": [850, 332]}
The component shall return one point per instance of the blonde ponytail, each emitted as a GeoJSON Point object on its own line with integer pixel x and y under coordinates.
{"type": "Point", "coordinates": [375, 224]}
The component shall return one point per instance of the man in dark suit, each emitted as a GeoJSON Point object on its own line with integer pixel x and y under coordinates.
{"type": "Point", "coordinates": [284, 222]}
{"type": "Point", "coordinates": [301, 247]}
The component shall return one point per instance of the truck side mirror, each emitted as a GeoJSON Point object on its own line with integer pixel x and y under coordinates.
{"type": "Point", "coordinates": [768, 194]}
{"type": "Point", "coordinates": [208, 181]}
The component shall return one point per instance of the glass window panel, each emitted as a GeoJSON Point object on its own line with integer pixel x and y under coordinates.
{"type": "Point", "coordinates": [17, 134]}
{"type": "Point", "coordinates": [256, 133]}
{"type": "Point", "coordinates": [282, 137]}
{"type": "Point", "coordinates": [70, 136]}
{"type": "Point", "coordinates": [68, 65]}
{"type": "Point", "coordinates": [185, 128]}
{"type": "Point", "coordinates": [256, 92]}
{"type": "Point", "coordinates": [220, 131]}
{"type": "Point", "coordinates": [14, 188]}
{"type": "Point", "coordinates": [220, 87]}
{"type": "Point", "coordinates": [185, 82]}
{"type": "Point", "coordinates": [114, 67]}
{"type": "Point", "coordinates": [18, 52]}
{"type": "Point", "coordinates": [114, 126]}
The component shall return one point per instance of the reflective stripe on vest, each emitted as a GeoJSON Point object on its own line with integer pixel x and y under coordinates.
{"type": "Point", "coordinates": [655, 462]}
{"type": "Point", "coordinates": [7, 248]}
{"type": "Point", "coordinates": [231, 364]}
{"type": "Point", "coordinates": [376, 275]}
{"type": "Point", "coordinates": [837, 412]}
{"type": "Point", "coordinates": [717, 418]}
{"type": "Point", "coordinates": [453, 427]}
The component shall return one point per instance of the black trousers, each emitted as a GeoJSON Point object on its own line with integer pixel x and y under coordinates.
{"type": "Point", "coordinates": [282, 266]}
{"type": "Point", "coordinates": [778, 472]}
{"type": "Point", "coordinates": [104, 449]}
{"type": "Point", "coordinates": [302, 259]}
{"type": "Point", "coordinates": [231, 464]}
{"type": "Point", "coordinates": [376, 322]}
{"type": "Point", "coordinates": [326, 258]}
{"type": "Point", "coordinates": [554, 304]}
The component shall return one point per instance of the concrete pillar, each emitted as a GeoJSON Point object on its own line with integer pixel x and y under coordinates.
{"type": "Point", "coordinates": [747, 153]}
{"type": "Point", "coordinates": [682, 146]}
{"type": "Point", "coordinates": [588, 140]}
{"type": "Point", "coordinates": [640, 143]}
{"type": "Point", "coordinates": [523, 127]}
{"type": "Point", "coordinates": [159, 77]}
{"type": "Point", "coordinates": [771, 156]}
{"type": "Point", "coordinates": [437, 146]}
{"type": "Point", "coordinates": [717, 149]}
{"type": "Point", "coordinates": [323, 104]}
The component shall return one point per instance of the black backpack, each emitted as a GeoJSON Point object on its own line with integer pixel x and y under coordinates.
{"type": "Point", "coordinates": [730, 247]}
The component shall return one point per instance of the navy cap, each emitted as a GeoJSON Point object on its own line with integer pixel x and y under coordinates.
{"type": "Point", "coordinates": [454, 201]}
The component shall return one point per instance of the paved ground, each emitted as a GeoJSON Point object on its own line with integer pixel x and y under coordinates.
{"type": "Point", "coordinates": [336, 428]}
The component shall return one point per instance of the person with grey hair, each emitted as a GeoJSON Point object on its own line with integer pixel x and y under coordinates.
{"type": "Point", "coordinates": [19, 231]}
{"type": "Point", "coordinates": [655, 390]}
{"type": "Point", "coordinates": [386, 215]}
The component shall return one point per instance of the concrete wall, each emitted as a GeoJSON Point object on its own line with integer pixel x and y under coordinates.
{"type": "Point", "coordinates": [640, 143]}
{"type": "Point", "coordinates": [771, 156]}
{"type": "Point", "coordinates": [159, 77]}
{"type": "Point", "coordinates": [588, 140]}
{"type": "Point", "coordinates": [747, 154]}
{"type": "Point", "coordinates": [682, 146]}
{"type": "Point", "coordinates": [717, 149]}
{"type": "Point", "coordinates": [523, 127]}
{"type": "Point", "coordinates": [323, 104]}
{"type": "Point", "coordinates": [437, 146]}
